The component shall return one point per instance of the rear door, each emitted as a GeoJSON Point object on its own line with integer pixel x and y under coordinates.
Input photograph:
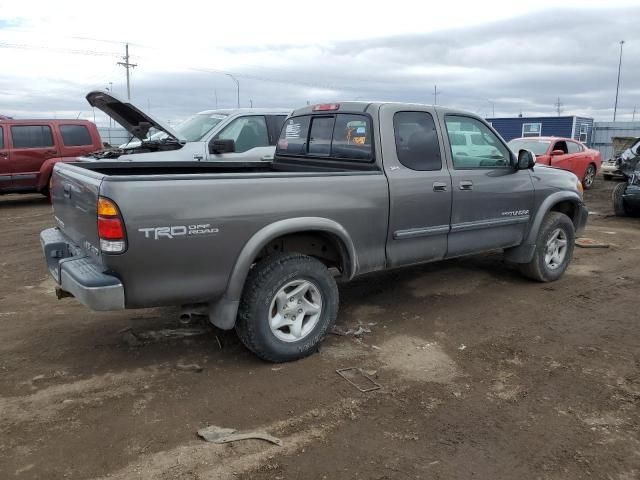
{"type": "Point", "coordinates": [251, 137]}
{"type": "Point", "coordinates": [31, 146]}
{"type": "Point", "coordinates": [491, 201]}
{"type": "Point", "coordinates": [419, 185]}
{"type": "Point", "coordinates": [5, 165]}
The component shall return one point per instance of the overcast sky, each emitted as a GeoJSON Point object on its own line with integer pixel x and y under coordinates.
{"type": "Point", "coordinates": [509, 56]}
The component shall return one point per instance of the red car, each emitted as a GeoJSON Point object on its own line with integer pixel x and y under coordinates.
{"type": "Point", "coordinates": [564, 153]}
{"type": "Point", "coordinates": [30, 148]}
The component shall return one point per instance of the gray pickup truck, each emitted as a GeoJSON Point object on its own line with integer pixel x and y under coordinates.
{"type": "Point", "coordinates": [354, 188]}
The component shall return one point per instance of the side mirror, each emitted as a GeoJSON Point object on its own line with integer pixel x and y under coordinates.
{"type": "Point", "coordinates": [557, 152]}
{"type": "Point", "coordinates": [222, 146]}
{"type": "Point", "coordinates": [526, 159]}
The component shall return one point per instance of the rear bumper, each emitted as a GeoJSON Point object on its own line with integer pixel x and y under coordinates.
{"type": "Point", "coordinates": [77, 274]}
{"type": "Point", "coordinates": [580, 220]}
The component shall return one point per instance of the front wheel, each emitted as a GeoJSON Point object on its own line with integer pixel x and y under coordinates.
{"type": "Point", "coordinates": [589, 176]}
{"type": "Point", "coordinates": [289, 303]}
{"type": "Point", "coordinates": [554, 249]}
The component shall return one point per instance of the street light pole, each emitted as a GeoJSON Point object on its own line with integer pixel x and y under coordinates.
{"type": "Point", "coordinates": [615, 106]}
{"type": "Point", "coordinates": [237, 86]}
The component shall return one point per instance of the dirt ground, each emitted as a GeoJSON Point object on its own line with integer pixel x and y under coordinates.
{"type": "Point", "coordinates": [483, 375]}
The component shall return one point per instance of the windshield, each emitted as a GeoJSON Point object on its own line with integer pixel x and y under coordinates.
{"type": "Point", "coordinates": [194, 128]}
{"type": "Point", "coordinates": [539, 147]}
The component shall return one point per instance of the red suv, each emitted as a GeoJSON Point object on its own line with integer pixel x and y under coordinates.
{"type": "Point", "coordinates": [30, 148]}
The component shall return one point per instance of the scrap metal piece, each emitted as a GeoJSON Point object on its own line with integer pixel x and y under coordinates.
{"type": "Point", "coordinates": [590, 243]}
{"type": "Point", "coordinates": [221, 435]}
{"type": "Point", "coordinates": [343, 373]}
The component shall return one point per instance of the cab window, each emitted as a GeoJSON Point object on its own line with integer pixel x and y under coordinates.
{"type": "Point", "coordinates": [416, 138]}
{"type": "Point", "coordinates": [483, 150]}
{"type": "Point", "coordinates": [75, 135]}
{"type": "Point", "coordinates": [247, 133]}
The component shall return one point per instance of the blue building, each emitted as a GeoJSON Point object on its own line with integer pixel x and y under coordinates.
{"type": "Point", "coordinates": [578, 128]}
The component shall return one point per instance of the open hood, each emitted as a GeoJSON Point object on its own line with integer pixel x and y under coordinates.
{"type": "Point", "coordinates": [134, 120]}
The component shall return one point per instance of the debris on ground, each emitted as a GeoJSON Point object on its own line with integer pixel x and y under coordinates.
{"type": "Point", "coordinates": [590, 243]}
{"type": "Point", "coordinates": [221, 435]}
{"type": "Point", "coordinates": [361, 331]}
{"type": "Point", "coordinates": [359, 379]}
{"type": "Point", "coordinates": [190, 367]}
{"type": "Point", "coordinates": [339, 331]}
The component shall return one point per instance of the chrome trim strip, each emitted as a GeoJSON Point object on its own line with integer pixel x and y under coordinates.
{"type": "Point", "coordinates": [420, 232]}
{"type": "Point", "coordinates": [492, 222]}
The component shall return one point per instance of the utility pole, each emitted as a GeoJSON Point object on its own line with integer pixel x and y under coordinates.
{"type": "Point", "coordinates": [615, 105]}
{"type": "Point", "coordinates": [237, 87]}
{"type": "Point", "coordinates": [251, 102]}
{"type": "Point", "coordinates": [435, 94]}
{"type": "Point", "coordinates": [558, 105]}
{"type": "Point", "coordinates": [493, 108]}
{"type": "Point", "coordinates": [127, 66]}
{"type": "Point", "coordinates": [215, 94]}
{"type": "Point", "coordinates": [633, 116]}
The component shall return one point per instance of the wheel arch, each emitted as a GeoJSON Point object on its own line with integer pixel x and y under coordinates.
{"type": "Point", "coordinates": [566, 202]}
{"type": "Point", "coordinates": [290, 231]}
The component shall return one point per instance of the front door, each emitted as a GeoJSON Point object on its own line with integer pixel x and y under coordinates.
{"type": "Point", "coordinates": [32, 145]}
{"type": "Point", "coordinates": [419, 185]}
{"type": "Point", "coordinates": [492, 201]}
{"type": "Point", "coordinates": [5, 165]}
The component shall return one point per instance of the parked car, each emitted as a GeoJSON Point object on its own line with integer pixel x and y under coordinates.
{"type": "Point", "coordinates": [30, 148]}
{"type": "Point", "coordinates": [354, 188]}
{"type": "Point", "coordinates": [202, 137]}
{"type": "Point", "coordinates": [626, 196]}
{"type": "Point", "coordinates": [626, 147]}
{"type": "Point", "coordinates": [563, 153]}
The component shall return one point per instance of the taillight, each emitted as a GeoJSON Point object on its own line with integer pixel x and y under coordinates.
{"type": "Point", "coordinates": [110, 227]}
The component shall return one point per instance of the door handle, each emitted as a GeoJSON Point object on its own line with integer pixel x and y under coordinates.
{"type": "Point", "coordinates": [51, 152]}
{"type": "Point", "coordinates": [267, 157]}
{"type": "Point", "coordinates": [67, 190]}
{"type": "Point", "coordinates": [466, 185]}
{"type": "Point", "coordinates": [439, 187]}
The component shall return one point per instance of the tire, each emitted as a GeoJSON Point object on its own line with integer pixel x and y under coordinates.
{"type": "Point", "coordinates": [266, 303]}
{"type": "Point", "coordinates": [607, 177]}
{"type": "Point", "coordinates": [546, 268]}
{"type": "Point", "coordinates": [589, 176]}
{"type": "Point", "coordinates": [618, 202]}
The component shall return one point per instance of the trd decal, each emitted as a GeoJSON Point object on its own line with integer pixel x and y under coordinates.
{"type": "Point", "coordinates": [177, 231]}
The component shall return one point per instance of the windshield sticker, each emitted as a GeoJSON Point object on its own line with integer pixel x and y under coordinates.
{"type": "Point", "coordinates": [293, 130]}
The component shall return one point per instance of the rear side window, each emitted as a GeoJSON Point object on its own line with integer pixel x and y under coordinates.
{"type": "Point", "coordinates": [31, 136]}
{"type": "Point", "coordinates": [573, 147]}
{"type": "Point", "coordinates": [342, 136]}
{"type": "Point", "coordinates": [417, 143]}
{"type": "Point", "coordinates": [75, 135]}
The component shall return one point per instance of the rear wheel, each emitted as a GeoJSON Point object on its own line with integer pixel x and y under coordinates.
{"type": "Point", "coordinates": [554, 249]}
{"type": "Point", "coordinates": [589, 176]}
{"type": "Point", "coordinates": [289, 303]}
{"type": "Point", "coordinates": [618, 201]}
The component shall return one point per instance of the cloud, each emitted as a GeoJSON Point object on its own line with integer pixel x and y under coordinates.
{"type": "Point", "coordinates": [521, 64]}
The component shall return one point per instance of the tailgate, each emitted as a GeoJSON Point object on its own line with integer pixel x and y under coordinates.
{"type": "Point", "coordinates": [74, 195]}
